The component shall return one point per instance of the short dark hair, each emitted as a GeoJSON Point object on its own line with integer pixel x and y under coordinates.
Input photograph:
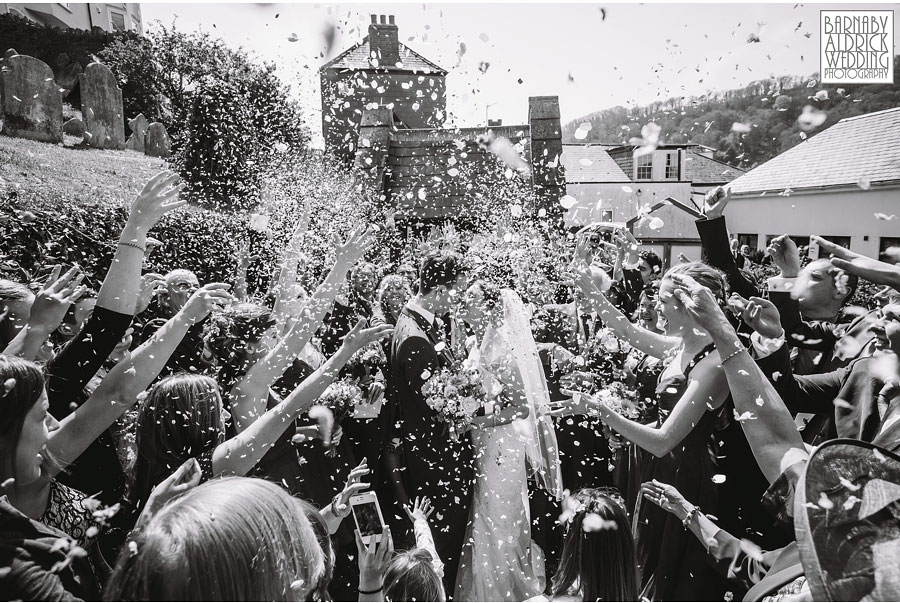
{"type": "Point", "coordinates": [652, 260]}
{"type": "Point", "coordinates": [439, 268]}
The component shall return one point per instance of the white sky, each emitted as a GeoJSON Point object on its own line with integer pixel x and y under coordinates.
{"type": "Point", "coordinates": [638, 54]}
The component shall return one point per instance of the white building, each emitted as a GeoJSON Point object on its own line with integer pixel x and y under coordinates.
{"type": "Point", "coordinates": [842, 184]}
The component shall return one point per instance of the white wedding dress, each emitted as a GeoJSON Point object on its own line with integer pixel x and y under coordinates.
{"type": "Point", "coordinates": [499, 560]}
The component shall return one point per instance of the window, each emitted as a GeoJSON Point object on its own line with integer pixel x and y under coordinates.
{"type": "Point", "coordinates": [644, 167]}
{"type": "Point", "coordinates": [672, 166]}
{"type": "Point", "coordinates": [116, 21]}
{"type": "Point", "coordinates": [752, 239]}
{"type": "Point", "coordinates": [135, 25]}
{"type": "Point", "coordinates": [606, 215]}
{"type": "Point", "coordinates": [842, 241]}
{"type": "Point", "coordinates": [885, 243]}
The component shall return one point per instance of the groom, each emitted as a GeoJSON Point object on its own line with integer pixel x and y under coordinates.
{"type": "Point", "coordinates": [435, 466]}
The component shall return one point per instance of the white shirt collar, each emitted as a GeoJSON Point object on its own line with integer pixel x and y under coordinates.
{"type": "Point", "coordinates": [414, 307]}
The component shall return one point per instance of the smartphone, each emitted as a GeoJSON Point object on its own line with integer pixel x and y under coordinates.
{"type": "Point", "coordinates": [367, 515]}
{"type": "Point", "coordinates": [813, 252]}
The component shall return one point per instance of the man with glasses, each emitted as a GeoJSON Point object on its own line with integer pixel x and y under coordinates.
{"type": "Point", "coordinates": [177, 287]}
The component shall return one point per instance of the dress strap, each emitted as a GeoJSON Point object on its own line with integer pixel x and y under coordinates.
{"type": "Point", "coordinates": [698, 357]}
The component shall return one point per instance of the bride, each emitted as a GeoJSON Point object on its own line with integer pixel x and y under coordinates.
{"type": "Point", "coordinates": [512, 441]}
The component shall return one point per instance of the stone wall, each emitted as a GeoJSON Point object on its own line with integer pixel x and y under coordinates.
{"type": "Point", "coordinates": [418, 101]}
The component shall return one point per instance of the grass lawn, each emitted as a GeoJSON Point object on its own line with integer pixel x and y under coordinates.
{"type": "Point", "coordinates": [38, 170]}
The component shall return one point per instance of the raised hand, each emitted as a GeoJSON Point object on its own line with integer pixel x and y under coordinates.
{"type": "Point", "coordinates": [184, 478]}
{"type": "Point", "coordinates": [421, 509]}
{"type": "Point", "coordinates": [214, 296]}
{"type": "Point", "coordinates": [878, 272]}
{"type": "Point", "coordinates": [577, 380]}
{"type": "Point", "coordinates": [358, 337]}
{"type": "Point", "coordinates": [151, 285]}
{"type": "Point", "coordinates": [715, 202]}
{"type": "Point", "coordinates": [666, 497]}
{"type": "Point", "coordinates": [785, 255]}
{"type": "Point", "coordinates": [762, 316]}
{"type": "Point", "coordinates": [341, 503]}
{"type": "Point", "coordinates": [53, 301]}
{"type": "Point", "coordinates": [628, 246]}
{"type": "Point", "coordinates": [355, 247]}
{"type": "Point", "coordinates": [159, 195]}
{"type": "Point", "coordinates": [579, 403]}
{"type": "Point", "coordinates": [374, 559]}
{"type": "Point", "coordinates": [699, 302]}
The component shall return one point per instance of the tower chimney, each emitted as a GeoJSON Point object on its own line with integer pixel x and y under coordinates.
{"type": "Point", "coordinates": [384, 41]}
{"type": "Point", "coordinates": [546, 150]}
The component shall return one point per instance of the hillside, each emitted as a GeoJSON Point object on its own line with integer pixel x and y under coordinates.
{"type": "Point", "coordinates": [769, 107]}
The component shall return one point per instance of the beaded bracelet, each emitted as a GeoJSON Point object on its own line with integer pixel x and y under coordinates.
{"type": "Point", "coordinates": [135, 245]}
{"type": "Point", "coordinates": [732, 355]}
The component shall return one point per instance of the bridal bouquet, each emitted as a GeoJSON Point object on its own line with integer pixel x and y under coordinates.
{"type": "Point", "coordinates": [455, 394]}
{"type": "Point", "coordinates": [622, 400]}
{"type": "Point", "coordinates": [341, 397]}
{"type": "Point", "coordinates": [369, 357]}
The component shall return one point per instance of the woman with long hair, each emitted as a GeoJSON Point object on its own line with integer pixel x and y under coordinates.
{"type": "Point", "coordinates": [232, 539]}
{"type": "Point", "coordinates": [35, 448]}
{"type": "Point", "coordinates": [182, 417]}
{"type": "Point", "coordinates": [598, 560]}
{"type": "Point", "coordinates": [691, 395]}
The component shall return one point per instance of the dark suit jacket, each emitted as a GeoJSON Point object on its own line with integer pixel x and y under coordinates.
{"type": "Point", "coordinates": [856, 416]}
{"type": "Point", "coordinates": [717, 253]}
{"type": "Point", "coordinates": [434, 465]}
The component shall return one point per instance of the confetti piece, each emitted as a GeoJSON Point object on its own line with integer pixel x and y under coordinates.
{"type": "Point", "coordinates": [825, 502]}
{"type": "Point", "coordinates": [293, 37]}
{"type": "Point", "coordinates": [811, 118]}
{"type": "Point", "coordinates": [568, 202]}
{"type": "Point", "coordinates": [885, 217]}
{"type": "Point", "coordinates": [718, 478]}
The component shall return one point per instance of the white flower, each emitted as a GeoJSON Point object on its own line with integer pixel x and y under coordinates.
{"type": "Point", "coordinates": [469, 405]}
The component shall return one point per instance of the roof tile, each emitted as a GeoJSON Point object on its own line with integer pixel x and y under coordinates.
{"type": "Point", "coordinates": [851, 151]}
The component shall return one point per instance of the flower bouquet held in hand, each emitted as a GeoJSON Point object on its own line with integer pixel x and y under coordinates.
{"type": "Point", "coordinates": [370, 357]}
{"type": "Point", "coordinates": [456, 394]}
{"type": "Point", "coordinates": [341, 398]}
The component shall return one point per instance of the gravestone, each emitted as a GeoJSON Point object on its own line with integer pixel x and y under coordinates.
{"type": "Point", "coordinates": [31, 103]}
{"type": "Point", "coordinates": [9, 53]}
{"type": "Point", "coordinates": [138, 127]}
{"type": "Point", "coordinates": [157, 144]}
{"type": "Point", "coordinates": [101, 108]}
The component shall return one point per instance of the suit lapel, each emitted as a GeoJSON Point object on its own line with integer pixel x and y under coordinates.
{"type": "Point", "coordinates": [445, 354]}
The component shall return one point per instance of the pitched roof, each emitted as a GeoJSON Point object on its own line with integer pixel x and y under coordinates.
{"type": "Point", "coordinates": [590, 163]}
{"type": "Point", "coordinates": [357, 58]}
{"type": "Point", "coordinates": [705, 170]}
{"type": "Point", "coordinates": [854, 150]}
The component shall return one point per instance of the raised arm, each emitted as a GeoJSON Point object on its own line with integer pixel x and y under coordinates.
{"type": "Point", "coordinates": [241, 453]}
{"type": "Point", "coordinates": [766, 421]}
{"type": "Point", "coordinates": [47, 312]}
{"type": "Point", "coordinates": [880, 273]}
{"type": "Point", "coordinates": [716, 246]}
{"type": "Point", "coordinates": [286, 289]}
{"type": "Point", "coordinates": [706, 389]}
{"type": "Point", "coordinates": [123, 280]}
{"type": "Point", "coordinates": [648, 342]}
{"type": "Point", "coordinates": [82, 357]}
{"type": "Point", "coordinates": [126, 380]}
{"type": "Point", "coordinates": [248, 397]}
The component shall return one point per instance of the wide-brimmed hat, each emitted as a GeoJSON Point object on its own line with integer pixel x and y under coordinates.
{"type": "Point", "coordinates": [847, 522]}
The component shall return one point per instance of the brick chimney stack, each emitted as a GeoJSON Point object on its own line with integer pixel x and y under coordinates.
{"type": "Point", "coordinates": [384, 40]}
{"type": "Point", "coordinates": [546, 152]}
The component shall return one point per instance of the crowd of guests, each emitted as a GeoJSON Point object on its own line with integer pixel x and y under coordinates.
{"type": "Point", "coordinates": [160, 438]}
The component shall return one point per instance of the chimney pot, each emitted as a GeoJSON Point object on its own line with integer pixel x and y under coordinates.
{"type": "Point", "coordinates": [374, 19]}
{"type": "Point", "coordinates": [391, 19]}
{"type": "Point", "coordinates": [382, 20]}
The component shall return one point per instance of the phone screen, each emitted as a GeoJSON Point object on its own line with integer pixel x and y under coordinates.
{"type": "Point", "coordinates": [367, 518]}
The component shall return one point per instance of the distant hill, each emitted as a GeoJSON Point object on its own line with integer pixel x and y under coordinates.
{"type": "Point", "coordinates": [769, 107]}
